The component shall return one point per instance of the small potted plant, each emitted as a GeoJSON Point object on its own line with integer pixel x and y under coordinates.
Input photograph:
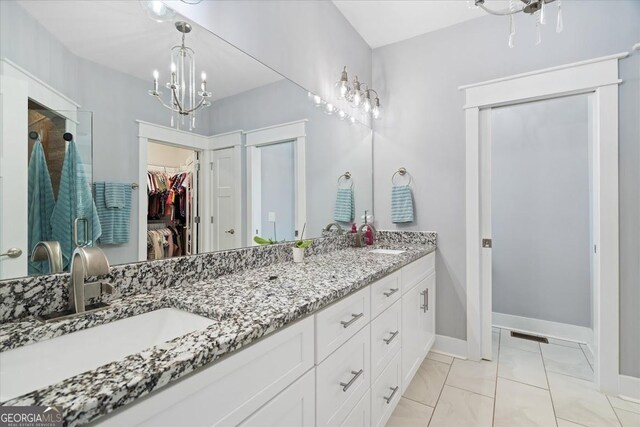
{"type": "Point", "coordinates": [300, 246]}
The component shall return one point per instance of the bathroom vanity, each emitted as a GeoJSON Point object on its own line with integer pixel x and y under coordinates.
{"type": "Point", "coordinates": [332, 341]}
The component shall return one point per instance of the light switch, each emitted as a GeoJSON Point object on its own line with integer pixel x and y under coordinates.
{"type": "Point", "coordinates": [272, 217]}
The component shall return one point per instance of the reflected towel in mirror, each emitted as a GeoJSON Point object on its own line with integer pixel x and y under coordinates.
{"type": "Point", "coordinates": [113, 202]}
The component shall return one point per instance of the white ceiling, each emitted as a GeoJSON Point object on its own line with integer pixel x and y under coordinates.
{"type": "Point", "coordinates": [119, 35]}
{"type": "Point", "coordinates": [381, 22]}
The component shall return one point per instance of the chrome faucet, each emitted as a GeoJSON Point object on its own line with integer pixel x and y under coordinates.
{"type": "Point", "coordinates": [334, 224]}
{"type": "Point", "coordinates": [86, 262]}
{"type": "Point", "coordinates": [49, 251]}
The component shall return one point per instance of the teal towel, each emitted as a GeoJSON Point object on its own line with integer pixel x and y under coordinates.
{"type": "Point", "coordinates": [113, 201]}
{"type": "Point", "coordinates": [74, 201]}
{"type": "Point", "coordinates": [401, 204]}
{"type": "Point", "coordinates": [40, 204]}
{"type": "Point", "coordinates": [345, 210]}
{"type": "Point", "coordinates": [115, 195]}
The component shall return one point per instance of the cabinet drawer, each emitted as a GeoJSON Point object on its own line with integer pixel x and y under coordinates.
{"type": "Point", "coordinates": [385, 292]}
{"type": "Point", "coordinates": [386, 392]}
{"type": "Point", "coordinates": [229, 391]}
{"type": "Point", "coordinates": [417, 270]}
{"type": "Point", "coordinates": [342, 379]}
{"type": "Point", "coordinates": [340, 321]}
{"type": "Point", "coordinates": [385, 338]}
{"type": "Point", "coordinates": [294, 407]}
{"type": "Point", "coordinates": [361, 414]}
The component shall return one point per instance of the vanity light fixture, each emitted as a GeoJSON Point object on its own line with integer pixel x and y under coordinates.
{"type": "Point", "coordinates": [358, 95]}
{"type": "Point", "coordinates": [329, 108]}
{"type": "Point", "coordinates": [182, 84]}
{"type": "Point", "coordinates": [537, 8]}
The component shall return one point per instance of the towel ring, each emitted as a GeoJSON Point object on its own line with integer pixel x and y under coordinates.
{"type": "Point", "coordinates": [347, 177]}
{"type": "Point", "coordinates": [402, 171]}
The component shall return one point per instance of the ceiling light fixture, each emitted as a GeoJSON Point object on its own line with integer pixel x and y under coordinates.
{"type": "Point", "coordinates": [182, 85]}
{"type": "Point", "coordinates": [358, 95]}
{"type": "Point", "coordinates": [157, 10]}
{"type": "Point", "coordinates": [537, 8]}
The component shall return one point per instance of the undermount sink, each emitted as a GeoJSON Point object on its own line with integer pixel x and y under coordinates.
{"type": "Point", "coordinates": [387, 251]}
{"type": "Point", "coordinates": [38, 365]}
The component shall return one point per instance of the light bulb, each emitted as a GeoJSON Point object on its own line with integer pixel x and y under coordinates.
{"type": "Point", "coordinates": [329, 108]}
{"type": "Point", "coordinates": [357, 98]}
{"type": "Point", "coordinates": [366, 106]}
{"type": "Point", "coordinates": [375, 111]}
{"type": "Point", "coordinates": [173, 67]}
{"type": "Point", "coordinates": [156, 74]}
{"type": "Point", "coordinates": [343, 89]}
{"type": "Point", "coordinates": [203, 76]}
{"type": "Point", "coordinates": [342, 115]}
{"type": "Point", "coordinates": [317, 100]}
{"type": "Point", "coordinates": [352, 119]}
{"type": "Point", "coordinates": [157, 7]}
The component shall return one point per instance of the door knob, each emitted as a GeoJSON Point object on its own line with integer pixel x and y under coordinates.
{"type": "Point", "coordinates": [12, 253]}
{"type": "Point", "coordinates": [232, 231]}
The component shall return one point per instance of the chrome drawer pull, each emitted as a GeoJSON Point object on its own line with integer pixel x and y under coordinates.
{"type": "Point", "coordinates": [391, 292]}
{"type": "Point", "coordinates": [393, 393]}
{"type": "Point", "coordinates": [356, 374]}
{"type": "Point", "coordinates": [354, 317]}
{"type": "Point", "coordinates": [393, 335]}
{"type": "Point", "coordinates": [425, 295]}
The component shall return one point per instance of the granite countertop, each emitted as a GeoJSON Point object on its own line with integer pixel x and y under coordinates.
{"type": "Point", "coordinates": [245, 307]}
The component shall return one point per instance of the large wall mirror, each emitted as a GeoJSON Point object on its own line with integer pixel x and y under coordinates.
{"type": "Point", "coordinates": [91, 156]}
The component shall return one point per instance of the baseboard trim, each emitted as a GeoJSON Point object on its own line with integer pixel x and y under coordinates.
{"type": "Point", "coordinates": [450, 346]}
{"type": "Point", "coordinates": [629, 388]}
{"type": "Point", "coordinates": [549, 329]}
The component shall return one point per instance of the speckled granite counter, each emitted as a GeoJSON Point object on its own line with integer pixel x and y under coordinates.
{"type": "Point", "coordinates": [246, 307]}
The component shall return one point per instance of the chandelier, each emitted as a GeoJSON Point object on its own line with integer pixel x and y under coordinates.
{"type": "Point", "coordinates": [536, 8]}
{"type": "Point", "coordinates": [359, 95]}
{"type": "Point", "coordinates": [182, 85]}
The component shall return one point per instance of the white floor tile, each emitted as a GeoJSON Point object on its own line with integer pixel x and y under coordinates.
{"type": "Point", "coordinates": [626, 405]}
{"type": "Point", "coordinates": [428, 382]}
{"type": "Point", "coordinates": [440, 357]}
{"type": "Point", "coordinates": [579, 401]}
{"type": "Point", "coordinates": [627, 418]}
{"type": "Point", "coordinates": [565, 423]}
{"type": "Point", "coordinates": [410, 413]}
{"type": "Point", "coordinates": [522, 405]}
{"type": "Point", "coordinates": [458, 407]}
{"type": "Point", "coordinates": [478, 377]}
{"type": "Point", "coordinates": [562, 343]}
{"type": "Point", "coordinates": [506, 340]}
{"type": "Point", "coordinates": [566, 360]}
{"type": "Point", "coordinates": [522, 366]}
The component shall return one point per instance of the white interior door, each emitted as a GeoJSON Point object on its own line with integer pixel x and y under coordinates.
{"type": "Point", "coordinates": [13, 175]}
{"type": "Point", "coordinates": [225, 220]}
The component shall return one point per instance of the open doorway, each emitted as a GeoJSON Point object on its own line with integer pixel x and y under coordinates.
{"type": "Point", "coordinates": [541, 229]}
{"type": "Point", "coordinates": [172, 210]}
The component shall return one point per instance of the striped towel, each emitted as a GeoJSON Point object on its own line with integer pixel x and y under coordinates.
{"type": "Point", "coordinates": [401, 204]}
{"type": "Point", "coordinates": [345, 209]}
{"type": "Point", "coordinates": [40, 203]}
{"type": "Point", "coordinates": [113, 202]}
{"type": "Point", "coordinates": [74, 201]}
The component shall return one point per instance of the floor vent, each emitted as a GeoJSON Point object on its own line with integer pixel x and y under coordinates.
{"type": "Point", "coordinates": [529, 337]}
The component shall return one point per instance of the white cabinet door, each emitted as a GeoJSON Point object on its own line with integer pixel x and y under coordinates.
{"type": "Point", "coordinates": [385, 393]}
{"type": "Point", "coordinates": [386, 335]}
{"type": "Point", "coordinates": [361, 414]}
{"type": "Point", "coordinates": [429, 313]}
{"type": "Point", "coordinates": [294, 407]}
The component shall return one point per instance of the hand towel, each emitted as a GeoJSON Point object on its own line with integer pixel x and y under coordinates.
{"type": "Point", "coordinates": [401, 204]}
{"type": "Point", "coordinates": [40, 205]}
{"type": "Point", "coordinates": [74, 201]}
{"type": "Point", "coordinates": [345, 209]}
{"type": "Point", "coordinates": [113, 202]}
{"type": "Point", "coordinates": [115, 194]}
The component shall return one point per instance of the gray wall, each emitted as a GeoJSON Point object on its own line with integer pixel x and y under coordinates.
{"type": "Point", "coordinates": [307, 41]}
{"type": "Point", "coordinates": [278, 191]}
{"type": "Point", "coordinates": [540, 210]}
{"type": "Point", "coordinates": [332, 146]}
{"type": "Point", "coordinates": [115, 99]}
{"type": "Point", "coordinates": [423, 129]}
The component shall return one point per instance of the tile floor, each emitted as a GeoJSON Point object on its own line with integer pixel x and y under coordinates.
{"type": "Point", "coordinates": [528, 384]}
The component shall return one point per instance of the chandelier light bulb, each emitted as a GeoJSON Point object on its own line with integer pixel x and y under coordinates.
{"type": "Point", "coordinates": [376, 110]}
{"type": "Point", "coordinates": [366, 105]}
{"type": "Point", "coordinates": [203, 76]}
{"type": "Point", "coordinates": [173, 67]}
{"type": "Point", "coordinates": [156, 74]}
{"type": "Point", "coordinates": [329, 108]}
{"type": "Point", "coordinates": [317, 100]}
{"type": "Point", "coordinates": [341, 114]}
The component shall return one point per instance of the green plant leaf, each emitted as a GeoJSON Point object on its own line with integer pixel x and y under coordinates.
{"type": "Point", "coordinates": [262, 241]}
{"type": "Point", "coordinates": [303, 244]}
